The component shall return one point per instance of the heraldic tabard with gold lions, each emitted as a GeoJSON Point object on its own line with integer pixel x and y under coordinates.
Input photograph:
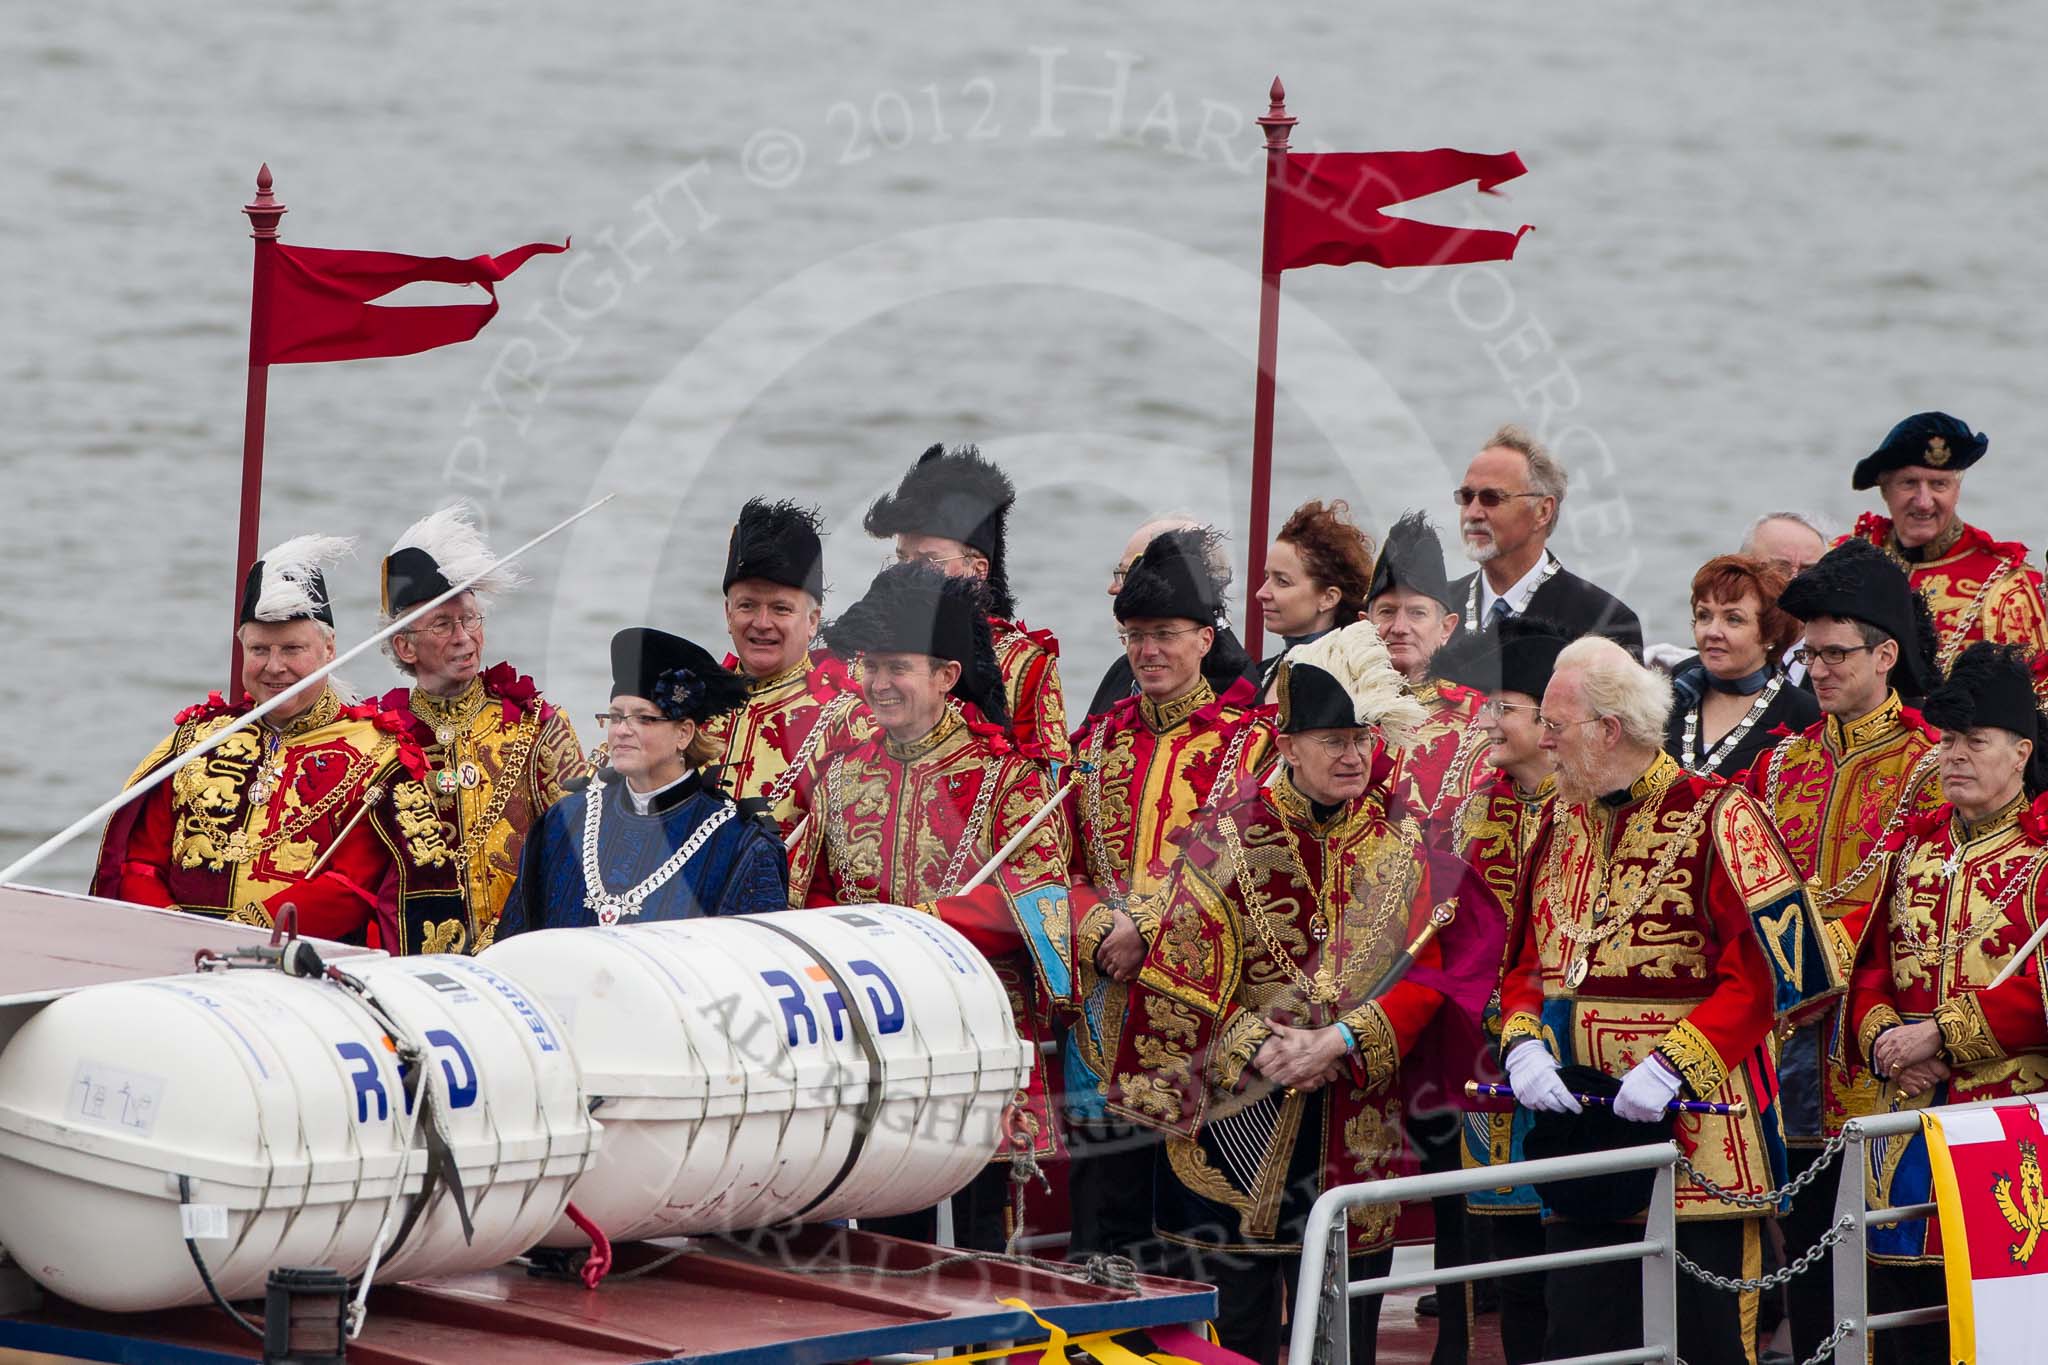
{"type": "Point", "coordinates": [1668, 918]}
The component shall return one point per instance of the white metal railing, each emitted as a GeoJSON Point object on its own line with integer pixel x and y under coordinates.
{"type": "Point", "coordinates": [1321, 1329]}
{"type": "Point", "coordinates": [1321, 1324]}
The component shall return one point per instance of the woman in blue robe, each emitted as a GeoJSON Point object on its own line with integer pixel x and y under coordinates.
{"type": "Point", "coordinates": [652, 836]}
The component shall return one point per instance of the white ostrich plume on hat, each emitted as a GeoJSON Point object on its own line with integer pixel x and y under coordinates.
{"type": "Point", "coordinates": [452, 538]}
{"type": "Point", "coordinates": [1357, 659]}
{"type": "Point", "coordinates": [288, 571]}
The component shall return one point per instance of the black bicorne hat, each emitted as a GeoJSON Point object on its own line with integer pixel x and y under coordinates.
{"type": "Point", "coordinates": [961, 496]}
{"type": "Point", "coordinates": [1517, 657]}
{"type": "Point", "coordinates": [1604, 1198]}
{"type": "Point", "coordinates": [681, 678]}
{"type": "Point", "coordinates": [915, 609]}
{"type": "Point", "coordinates": [1859, 582]}
{"type": "Point", "coordinates": [1344, 681]}
{"type": "Point", "coordinates": [1994, 685]}
{"type": "Point", "coordinates": [777, 541]}
{"type": "Point", "coordinates": [1171, 580]}
{"type": "Point", "coordinates": [1413, 558]}
{"type": "Point", "coordinates": [1934, 440]}
{"type": "Point", "coordinates": [411, 576]}
{"type": "Point", "coordinates": [287, 583]}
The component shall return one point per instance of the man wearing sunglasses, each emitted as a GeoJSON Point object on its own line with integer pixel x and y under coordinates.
{"type": "Point", "coordinates": [1508, 508]}
{"type": "Point", "coordinates": [951, 512]}
{"type": "Point", "coordinates": [1840, 793]}
{"type": "Point", "coordinates": [498, 754]}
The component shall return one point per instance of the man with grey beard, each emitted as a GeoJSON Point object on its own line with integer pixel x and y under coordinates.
{"type": "Point", "coordinates": [1508, 508]}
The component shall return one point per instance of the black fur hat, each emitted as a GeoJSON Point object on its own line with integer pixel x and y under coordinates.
{"type": "Point", "coordinates": [1518, 656]}
{"type": "Point", "coordinates": [1859, 582]}
{"type": "Point", "coordinates": [915, 609]}
{"type": "Point", "coordinates": [1413, 558]}
{"type": "Point", "coordinates": [777, 541]}
{"type": "Point", "coordinates": [1171, 579]}
{"type": "Point", "coordinates": [961, 496]}
{"type": "Point", "coordinates": [1994, 685]}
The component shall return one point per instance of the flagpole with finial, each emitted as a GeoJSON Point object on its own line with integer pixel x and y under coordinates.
{"type": "Point", "coordinates": [264, 212]}
{"type": "Point", "coordinates": [1278, 125]}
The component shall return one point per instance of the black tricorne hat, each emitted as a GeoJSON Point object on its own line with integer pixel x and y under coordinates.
{"type": "Point", "coordinates": [1602, 1198]}
{"type": "Point", "coordinates": [1518, 656]}
{"type": "Point", "coordinates": [681, 678]}
{"type": "Point", "coordinates": [961, 496]}
{"type": "Point", "coordinates": [1413, 558]}
{"type": "Point", "coordinates": [915, 609]}
{"type": "Point", "coordinates": [777, 541]}
{"type": "Point", "coordinates": [1856, 581]}
{"type": "Point", "coordinates": [1344, 680]}
{"type": "Point", "coordinates": [1994, 685]}
{"type": "Point", "coordinates": [411, 576]}
{"type": "Point", "coordinates": [1934, 440]}
{"type": "Point", "coordinates": [287, 584]}
{"type": "Point", "coordinates": [1171, 580]}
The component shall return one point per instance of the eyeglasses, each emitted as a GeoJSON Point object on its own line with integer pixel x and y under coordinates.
{"type": "Point", "coordinates": [1162, 638]}
{"type": "Point", "coordinates": [1118, 574]}
{"type": "Point", "coordinates": [1834, 656]}
{"type": "Point", "coordinates": [1497, 709]}
{"type": "Point", "coordinates": [1554, 728]}
{"type": "Point", "coordinates": [445, 627]}
{"type": "Point", "coordinates": [1336, 746]}
{"type": "Point", "coordinates": [932, 560]}
{"type": "Point", "coordinates": [1487, 497]}
{"type": "Point", "coordinates": [620, 720]}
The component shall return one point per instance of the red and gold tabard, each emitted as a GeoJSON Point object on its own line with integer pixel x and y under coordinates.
{"type": "Point", "coordinates": [1839, 794]}
{"type": "Point", "coordinates": [1956, 903]}
{"type": "Point", "coordinates": [1442, 761]}
{"type": "Point", "coordinates": [789, 720]}
{"type": "Point", "coordinates": [1030, 663]}
{"type": "Point", "coordinates": [1977, 588]}
{"type": "Point", "coordinates": [1492, 829]}
{"type": "Point", "coordinates": [498, 756]}
{"type": "Point", "coordinates": [268, 819]}
{"type": "Point", "coordinates": [1146, 768]}
{"type": "Point", "coordinates": [1669, 918]}
{"type": "Point", "coordinates": [1274, 914]}
{"type": "Point", "coordinates": [907, 824]}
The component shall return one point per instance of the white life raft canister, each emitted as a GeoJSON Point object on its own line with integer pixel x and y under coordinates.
{"type": "Point", "coordinates": [760, 1069]}
{"type": "Point", "coordinates": [282, 1103]}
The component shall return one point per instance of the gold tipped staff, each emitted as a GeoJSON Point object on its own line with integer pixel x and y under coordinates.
{"type": "Point", "coordinates": [98, 815]}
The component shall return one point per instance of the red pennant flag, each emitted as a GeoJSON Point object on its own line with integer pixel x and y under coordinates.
{"type": "Point", "coordinates": [1323, 208]}
{"type": "Point", "coordinates": [321, 309]}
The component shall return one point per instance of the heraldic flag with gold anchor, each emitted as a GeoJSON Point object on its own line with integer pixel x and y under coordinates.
{"type": "Point", "coordinates": [1994, 1228]}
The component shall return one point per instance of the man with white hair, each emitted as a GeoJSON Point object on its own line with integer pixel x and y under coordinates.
{"type": "Point", "coordinates": [1226, 660]}
{"type": "Point", "coordinates": [1664, 932]}
{"type": "Point", "coordinates": [1978, 588]}
{"type": "Point", "coordinates": [1272, 1033]}
{"type": "Point", "coordinates": [499, 754]}
{"type": "Point", "coordinates": [1508, 508]}
{"type": "Point", "coordinates": [271, 817]}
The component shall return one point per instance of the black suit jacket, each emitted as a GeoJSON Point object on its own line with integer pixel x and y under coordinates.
{"type": "Point", "coordinates": [1574, 605]}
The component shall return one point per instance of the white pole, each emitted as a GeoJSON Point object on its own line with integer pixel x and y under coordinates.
{"type": "Point", "coordinates": [99, 814]}
{"type": "Point", "coordinates": [988, 869]}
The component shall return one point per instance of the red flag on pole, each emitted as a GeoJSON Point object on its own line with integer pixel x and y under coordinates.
{"type": "Point", "coordinates": [320, 305]}
{"type": "Point", "coordinates": [1324, 209]}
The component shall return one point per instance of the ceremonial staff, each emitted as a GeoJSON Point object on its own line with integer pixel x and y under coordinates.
{"type": "Point", "coordinates": [99, 814]}
{"type": "Point", "coordinates": [1016, 841]}
{"type": "Point", "coordinates": [1482, 1090]}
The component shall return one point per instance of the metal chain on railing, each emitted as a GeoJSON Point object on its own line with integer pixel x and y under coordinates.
{"type": "Point", "coordinates": [1769, 1199]}
{"type": "Point", "coordinates": [1804, 1262]}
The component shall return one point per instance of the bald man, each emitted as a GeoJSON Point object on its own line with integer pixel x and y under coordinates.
{"type": "Point", "coordinates": [1226, 661]}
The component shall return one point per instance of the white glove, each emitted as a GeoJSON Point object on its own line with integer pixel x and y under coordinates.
{"type": "Point", "coordinates": [1646, 1091]}
{"type": "Point", "coordinates": [1532, 1071]}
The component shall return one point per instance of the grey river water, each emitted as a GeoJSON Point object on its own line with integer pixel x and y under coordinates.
{"type": "Point", "coordinates": [811, 240]}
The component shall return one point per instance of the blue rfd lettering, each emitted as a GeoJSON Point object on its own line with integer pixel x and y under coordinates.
{"type": "Point", "coordinates": [888, 1017]}
{"type": "Point", "coordinates": [790, 995]}
{"type": "Point", "coordinates": [367, 1080]}
{"type": "Point", "coordinates": [461, 1093]}
{"type": "Point", "coordinates": [885, 1002]}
